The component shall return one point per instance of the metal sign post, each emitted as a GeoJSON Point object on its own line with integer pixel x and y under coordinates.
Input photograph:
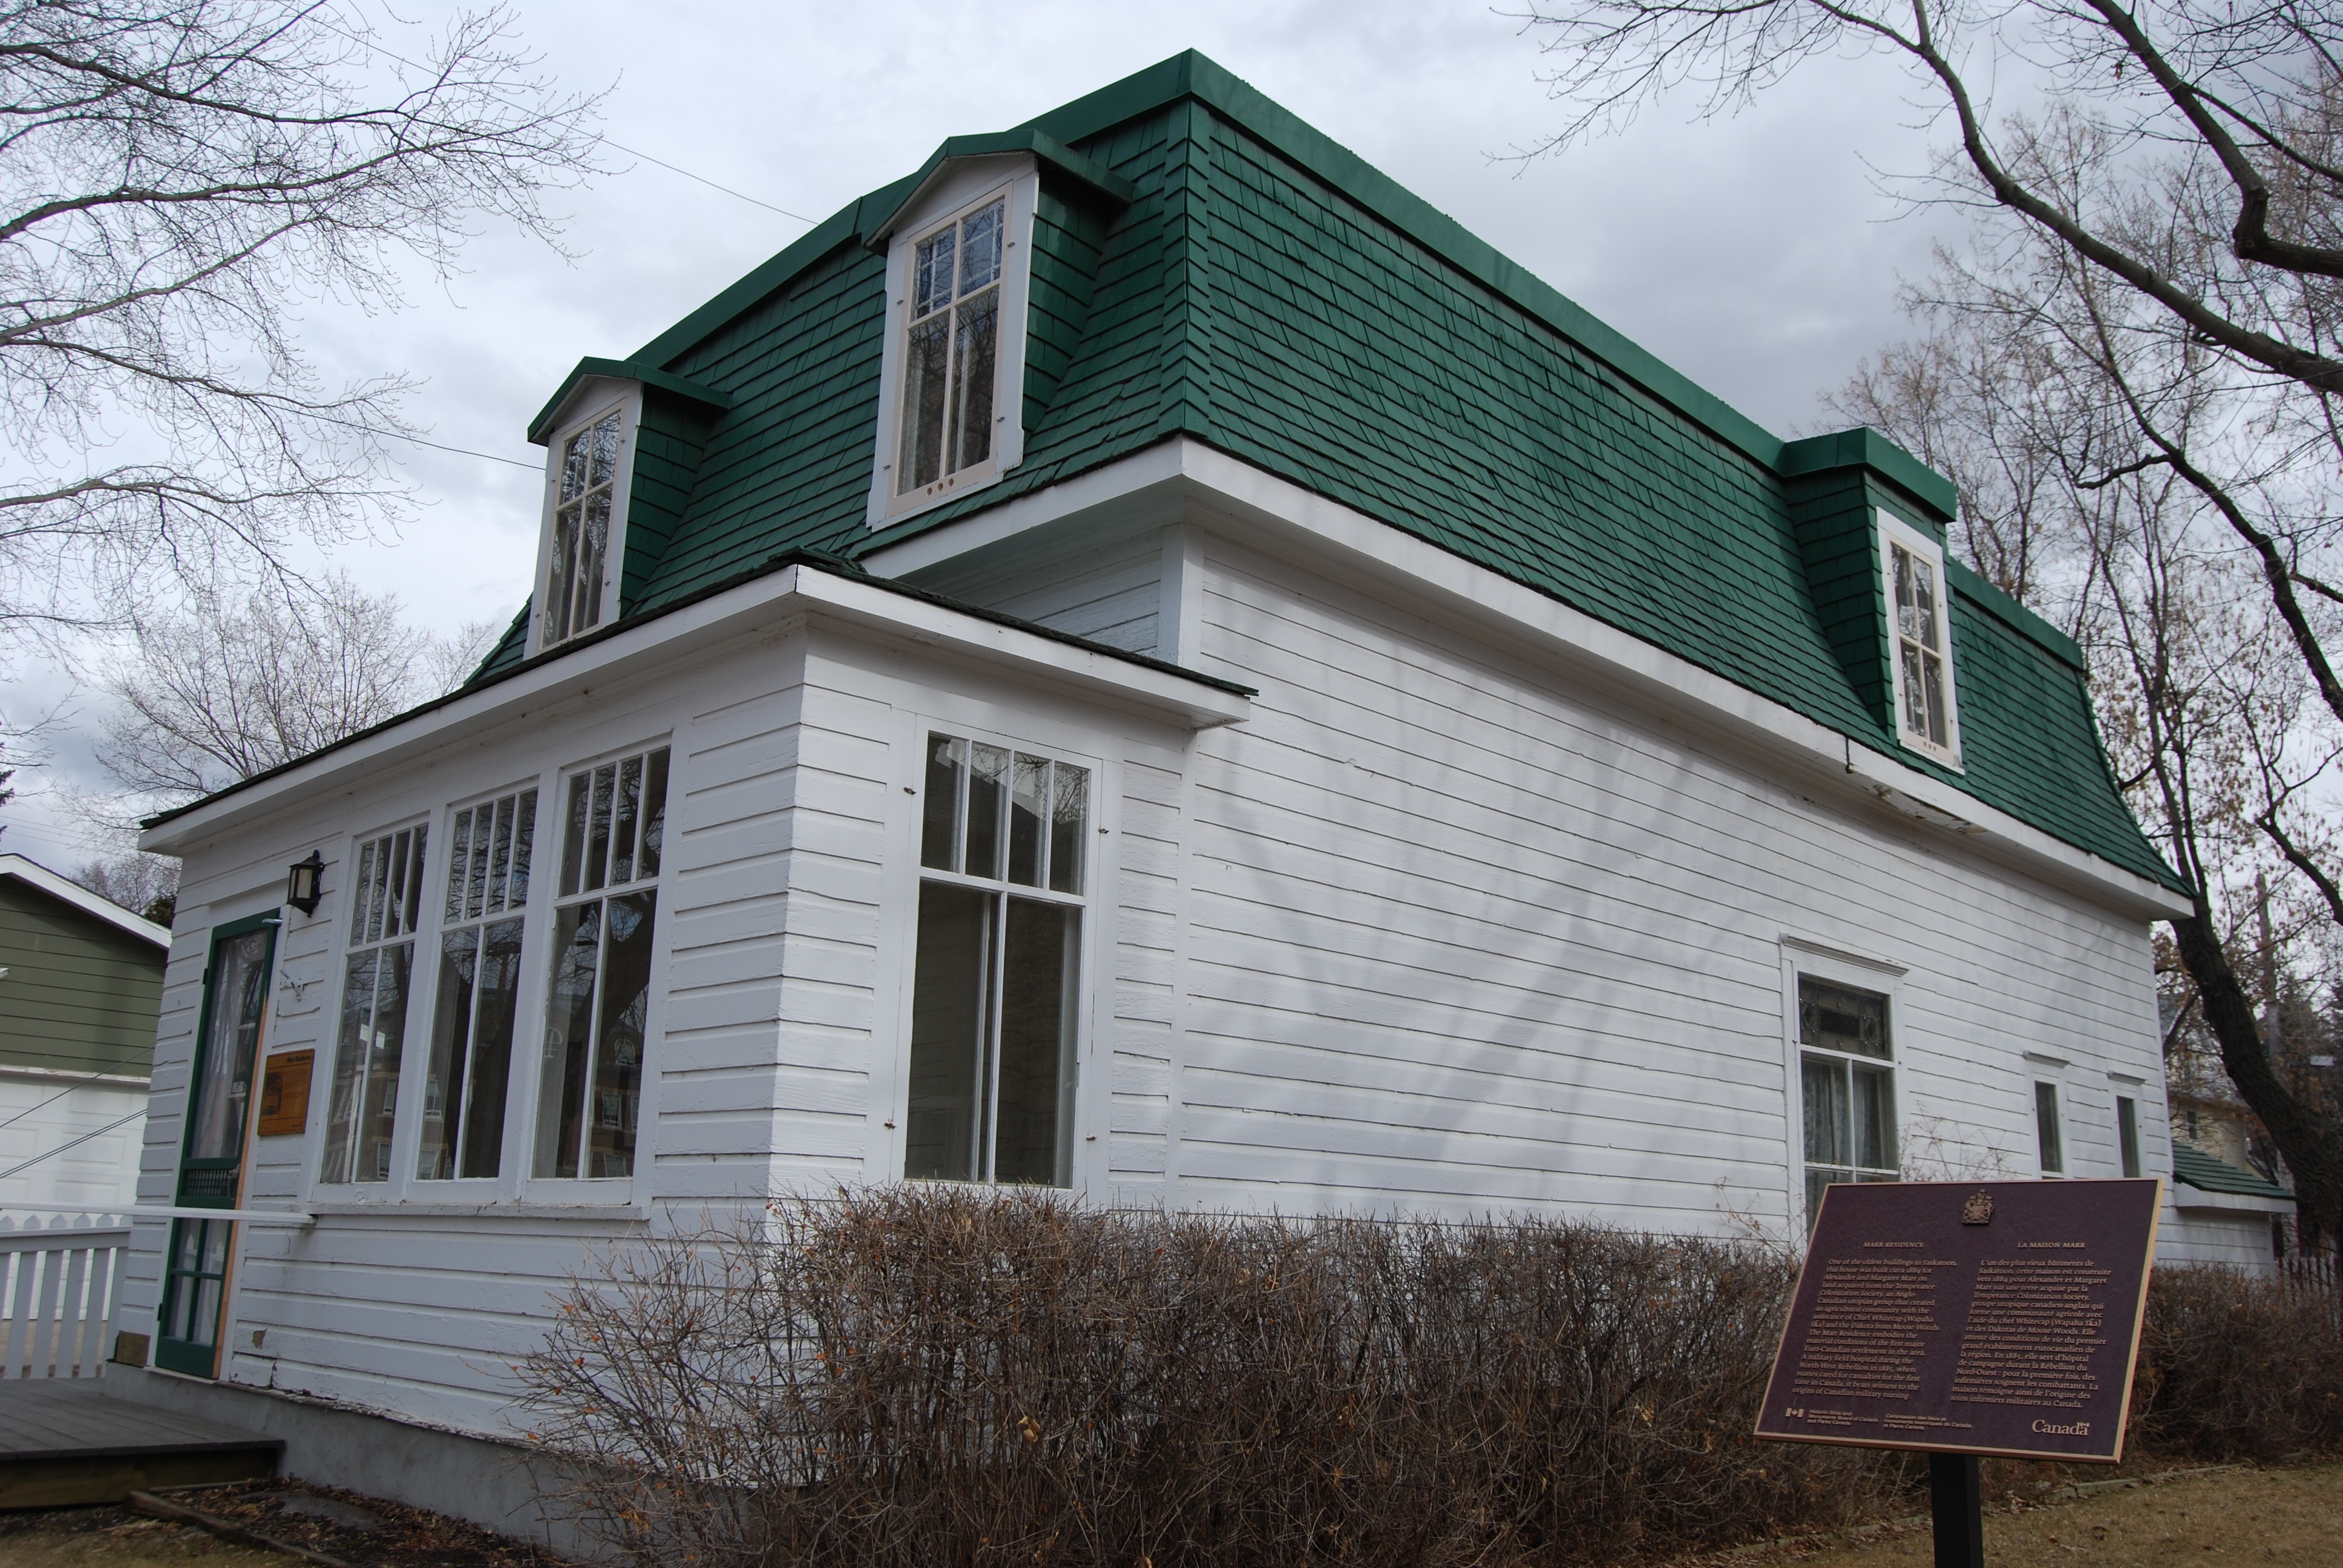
{"type": "Point", "coordinates": [1967, 1318]}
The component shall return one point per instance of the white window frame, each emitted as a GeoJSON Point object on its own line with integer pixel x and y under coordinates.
{"type": "Point", "coordinates": [1089, 1157]}
{"type": "Point", "coordinates": [1802, 957]}
{"type": "Point", "coordinates": [963, 189]}
{"type": "Point", "coordinates": [528, 1010]}
{"type": "Point", "coordinates": [598, 396]}
{"type": "Point", "coordinates": [546, 902]}
{"type": "Point", "coordinates": [1896, 534]}
{"type": "Point", "coordinates": [327, 1064]}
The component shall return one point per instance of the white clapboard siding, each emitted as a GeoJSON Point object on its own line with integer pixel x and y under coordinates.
{"type": "Point", "coordinates": [1460, 937]}
{"type": "Point", "coordinates": [1108, 592]}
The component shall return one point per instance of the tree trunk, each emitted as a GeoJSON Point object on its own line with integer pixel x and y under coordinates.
{"type": "Point", "coordinates": [2311, 1144]}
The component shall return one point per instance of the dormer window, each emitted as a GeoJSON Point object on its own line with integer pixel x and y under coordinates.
{"type": "Point", "coordinates": [586, 484]}
{"type": "Point", "coordinates": [1927, 715]}
{"type": "Point", "coordinates": [951, 350]}
{"type": "Point", "coordinates": [951, 379]}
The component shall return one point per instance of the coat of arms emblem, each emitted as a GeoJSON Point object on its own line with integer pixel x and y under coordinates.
{"type": "Point", "coordinates": [1978, 1210]}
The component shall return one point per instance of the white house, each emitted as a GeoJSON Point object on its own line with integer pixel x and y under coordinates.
{"type": "Point", "coordinates": [1139, 658]}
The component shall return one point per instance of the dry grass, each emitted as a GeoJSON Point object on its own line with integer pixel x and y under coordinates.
{"type": "Point", "coordinates": [2282, 1518]}
{"type": "Point", "coordinates": [79, 1539]}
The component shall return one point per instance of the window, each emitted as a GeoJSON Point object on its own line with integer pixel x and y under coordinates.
{"type": "Point", "coordinates": [385, 898]}
{"type": "Point", "coordinates": [2127, 1134]}
{"type": "Point", "coordinates": [488, 848]}
{"type": "Point", "coordinates": [951, 346]}
{"type": "Point", "coordinates": [994, 994]}
{"type": "Point", "coordinates": [1924, 711]}
{"type": "Point", "coordinates": [585, 498]}
{"type": "Point", "coordinates": [2046, 1130]}
{"type": "Point", "coordinates": [590, 1084]}
{"type": "Point", "coordinates": [1850, 1101]}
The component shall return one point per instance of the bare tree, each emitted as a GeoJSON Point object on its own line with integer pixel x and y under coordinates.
{"type": "Point", "coordinates": [178, 178]}
{"type": "Point", "coordinates": [221, 691]}
{"type": "Point", "coordinates": [147, 885]}
{"type": "Point", "coordinates": [2080, 429]}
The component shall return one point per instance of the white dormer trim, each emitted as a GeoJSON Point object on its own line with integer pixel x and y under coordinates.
{"type": "Point", "coordinates": [587, 402]}
{"type": "Point", "coordinates": [957, 191]}
{"type": "Point", "coordinates": [1895, 534]}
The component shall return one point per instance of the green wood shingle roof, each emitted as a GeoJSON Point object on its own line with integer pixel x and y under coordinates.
{"type": "Point", "coordinates": [2195, 1167]}
{"type": "Point", "coordinates": [1266, 291]}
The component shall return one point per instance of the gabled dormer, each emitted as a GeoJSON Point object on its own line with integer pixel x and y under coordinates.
{"type": "Point", "coordinates": [623, 442]}
{"type": "Point", "coordinates": [992, 254]}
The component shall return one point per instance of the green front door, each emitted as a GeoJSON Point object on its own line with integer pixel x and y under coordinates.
{"type": "Point", "coordinates": [211, 1161]}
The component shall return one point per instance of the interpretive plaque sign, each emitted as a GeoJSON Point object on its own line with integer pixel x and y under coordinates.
{"type": "Point", "coordinates": [1968, 1317]}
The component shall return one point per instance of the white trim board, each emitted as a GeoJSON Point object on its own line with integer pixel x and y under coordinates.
{"type": "Point", "coordinates": [33, 875]}
{"type": "Point", "coordinates": [1325, 537]}
{"type": "Point", "coordinates": [766, 608]}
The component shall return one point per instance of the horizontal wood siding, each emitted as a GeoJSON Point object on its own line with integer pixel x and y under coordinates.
{"type": "Point", "coordinates": [1461, 938]}
{"type": "Point", "coordinates": [1106, 591]}
{"type": "Point", "coordinates": [79, 996]}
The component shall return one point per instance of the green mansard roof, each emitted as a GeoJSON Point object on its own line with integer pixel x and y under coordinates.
{"type": "Point", "coordinates": [1216, 270]}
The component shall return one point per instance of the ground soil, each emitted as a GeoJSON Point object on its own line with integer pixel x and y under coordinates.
{"type": "Point", "coordinates": [363, 1531]}
{"type": "Point", "coordinates": [2285, 1516]}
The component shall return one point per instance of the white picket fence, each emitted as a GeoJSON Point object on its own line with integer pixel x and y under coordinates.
{"type": "Point", "coordinates": [57, 1288]}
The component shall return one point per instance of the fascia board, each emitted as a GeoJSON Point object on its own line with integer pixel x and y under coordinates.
{"type": "Point", "coordinates": [1418, 575]}
{"type": "Point", "coordinates": [35, 875]}
{"type": "Point", "coordinates": [2194, 1199]}
{"type": "Point", "coordinates": [757, 608]}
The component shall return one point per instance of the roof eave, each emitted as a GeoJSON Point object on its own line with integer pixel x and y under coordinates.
{"type": "Point", "coordinates": [591, 369]}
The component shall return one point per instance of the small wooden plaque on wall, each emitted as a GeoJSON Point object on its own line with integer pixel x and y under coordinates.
{"type": "Point", "coordinates": [285, 1093]}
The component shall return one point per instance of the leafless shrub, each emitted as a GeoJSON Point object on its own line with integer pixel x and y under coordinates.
{"type": "Point", "coordinates": [928, 1376]}
{"type": "Point", "coordinates": [2233, 1367]}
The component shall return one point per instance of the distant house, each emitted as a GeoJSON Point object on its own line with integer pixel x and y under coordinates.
{"type": "Point", "coordinates": [2224, 1210]}
{"type": "Point", "coordinates": [1139, 658]}
{"type": "Point", "coordinates": [81, 981]}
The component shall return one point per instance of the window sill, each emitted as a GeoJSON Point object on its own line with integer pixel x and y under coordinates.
{"type": "Point", "coordinates": [484, 1209]}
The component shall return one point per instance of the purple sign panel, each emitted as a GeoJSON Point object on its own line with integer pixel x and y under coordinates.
{"type": "Point", "coordinates": [1974, 1317]}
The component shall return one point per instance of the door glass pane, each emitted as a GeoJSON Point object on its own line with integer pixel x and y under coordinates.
{"type": "Point", "coordinates": [1037, 1044]}
{"type": "Point", "coordinates": [944, 1135]}
{"type": "Point", "coordinates": [240, 995]}
{"type": "Point", "coordinates": [1829, 1140]}
{"type": "Point", "coordinates": [618, 1089]}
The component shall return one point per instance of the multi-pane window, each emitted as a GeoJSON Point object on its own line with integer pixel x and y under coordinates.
{"type": "Point", "coordinates": [2127, 1133]}
{"type": "Point", "coordinates": [489, 848]}
{"type": "Point", "coordinates": [1844, 1056]}
{"type": "Point", "coordinates": [1920, 647]}
{"type": "Point", "coordinates": [584, 486]}
{"type": "Point", "coordinates": [952, 348]}
{"type": "Point", "coordinates": [996, 965]}
{"type": "Point", "coordinates": [591, 1085]}
{"type": "Point", "coordinates": [386, 899]}
{"type": "Point", "coordinates": [2049, 1144]}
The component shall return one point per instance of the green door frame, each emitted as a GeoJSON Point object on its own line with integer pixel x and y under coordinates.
{"type": "Point", "coordinates": [196, 1265]}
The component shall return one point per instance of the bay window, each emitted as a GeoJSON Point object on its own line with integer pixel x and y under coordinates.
{"type": "Point", "coordinates": [996, 966]}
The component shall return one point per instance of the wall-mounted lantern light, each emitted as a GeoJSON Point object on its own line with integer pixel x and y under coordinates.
{"type": "Point", "coordinates": [301, 883]}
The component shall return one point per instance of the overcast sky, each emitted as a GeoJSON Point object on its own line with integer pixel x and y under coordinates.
{"type": "Point", "coordinates": [1755, 254]}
